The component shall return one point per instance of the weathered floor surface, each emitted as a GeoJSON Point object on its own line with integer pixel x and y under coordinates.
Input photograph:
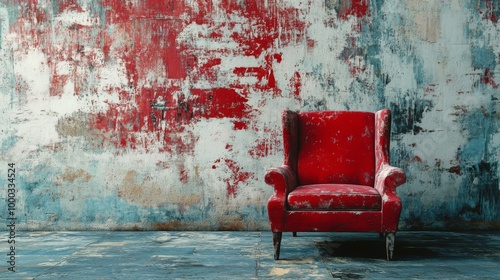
{"type": "Point", "coordinates": [248, 255]}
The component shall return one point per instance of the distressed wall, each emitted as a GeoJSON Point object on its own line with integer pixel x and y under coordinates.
{"type": "Point", "coordinates": [164, 115]}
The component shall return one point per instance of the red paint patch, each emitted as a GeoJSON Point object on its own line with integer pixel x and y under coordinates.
{"type": "Point", "coordinates": [212, 62]}
{"type": "Point", "coordinates": [310, 44]}
{"type": "Point", "coordinates": [219, 103]}
{"type": "Point", "coordinates": [251, 39]}
{"type": "Point", "coordinates": [490, 9]}
{"type": "Point", "coordinates": [258, 72]}
{"type": "Point", "coordinates": [356, 67]}
{"type": "Point", "coordinates": [417, 159]}
{"type": "Point", "coordinates": [266, 146]}
{"type": "Point", "coordinates": [147, 41]}
{"type": "Point", "coordinates": [263, 74]}
{"type": "Point", "coordinates": [357, 8]}
{"type": "Point", "coordinates": [488, 78]}
{"type": "Point", "coordinates": [261, 150]}
{"type": "Point", "coordinates": [70, 5]}
{"type": "Point", "coordinates": [236, 177]}
{"type": "Point", "coordinates": [183, 176]}
{"type": "Point", "coordinates": [240, 125]}
{"type": "Point", "coordinates": [455, 169]}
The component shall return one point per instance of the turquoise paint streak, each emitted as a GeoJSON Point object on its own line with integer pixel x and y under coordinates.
{"type": "Point", "coordinates": [479, 189]}
{"type": "Point", "coordinates": [373, 33]}
{"type": "Point", "coordinates": [483, 57]}
{"type": "Point", "coordinates": [481, 45]}
{"type": "Point", "coordinates": [109, 209]}
{"type": "Point", "coordinates": [8, 143]}
{"type": "Point", "coordinates": [13, 9]}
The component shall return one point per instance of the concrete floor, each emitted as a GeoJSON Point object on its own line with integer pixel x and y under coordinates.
{"type": "Point", "coordinates": [248, 255]}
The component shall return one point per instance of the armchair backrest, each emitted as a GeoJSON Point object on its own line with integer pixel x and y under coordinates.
{"type": "Point", "coordinates": [332, 146]}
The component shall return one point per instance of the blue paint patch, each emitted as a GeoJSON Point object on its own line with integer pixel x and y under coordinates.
{"type": "Point", "coordinates": [479, 129]}
{"type": "Point", "coordinates": [55, 7]}
{"type": "Point", "coordinates": [372, 33]}
{"type": "Point", "coordinates": [483, 58]}
{"type": "Point", "coordinates": [14, 11]}
{"type": "Point", "coordinates": [8, 143]}
{"type": "Point", "coordinates": [474, 151]}
{"type": "Point", "coordinates": [41, 205]}
{"type": "Point", "coordinates": [107, 209]}
{"type": "Point", "coordinates": [479, 193]}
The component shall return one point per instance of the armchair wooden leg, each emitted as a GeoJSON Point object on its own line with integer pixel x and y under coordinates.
{"type": "Point", "coordinates": [277, 244]}
{"type": "Point", "coordinates": [390, 239]}
{"type": "Point", "coordinates": [294, 234]}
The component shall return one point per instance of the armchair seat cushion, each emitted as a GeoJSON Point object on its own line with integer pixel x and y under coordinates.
{"type": "Point", "coordinates": [334, 197]}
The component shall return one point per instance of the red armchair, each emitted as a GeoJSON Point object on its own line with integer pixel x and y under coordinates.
{"type": "Point", "coordinates": [336, 176]}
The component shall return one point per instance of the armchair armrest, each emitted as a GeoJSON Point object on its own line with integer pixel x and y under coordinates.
{"type": "Point", "coordinates": [388, 178]}
{"type": "Point", "coordinates": [282, 179]}
{"type": "Point", "coordinates": [386, 181]}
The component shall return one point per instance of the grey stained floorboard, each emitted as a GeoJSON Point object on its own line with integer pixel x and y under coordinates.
{"type": "Point", "coordinates": [249, 255]}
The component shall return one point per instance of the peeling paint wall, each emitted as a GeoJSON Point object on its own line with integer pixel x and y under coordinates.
{"type": "Point", "coordinates": [165, 114]}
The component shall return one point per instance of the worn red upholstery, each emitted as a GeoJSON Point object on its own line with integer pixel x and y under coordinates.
{"type": "Point", "coordinates": [334, 197]}
{"type": "Point", "coordinates": [336, 175]}
{"type": "Point", "coordinates": [336, 147]}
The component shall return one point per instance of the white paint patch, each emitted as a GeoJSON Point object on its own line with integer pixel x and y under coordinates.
{"type": "Point", "coordinates": [277, 271]}
{"type": "Point", "coordinates": [69, 18]}
{"type": "Point", "coordinates": [109, 244]}
{"type": "Point", "coordinates": [49, 264]}
{"type": "Point", "coordinates": [33, 121]}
